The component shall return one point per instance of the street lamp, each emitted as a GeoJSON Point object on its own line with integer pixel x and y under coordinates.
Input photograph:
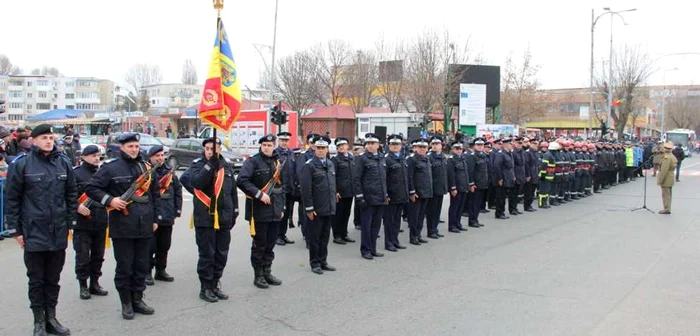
{"type": "Point", "coordinates": [663, 100]}
{"type": "Point", "coordinates": [272, 69]}
{"type": "Point", "coordinates": [594, 20]}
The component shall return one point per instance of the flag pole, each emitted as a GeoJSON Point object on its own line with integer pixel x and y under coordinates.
{"type": "Point", "coordinates": [218, 5]}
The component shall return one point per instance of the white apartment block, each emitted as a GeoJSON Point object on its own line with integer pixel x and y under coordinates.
{"type": "Point", "coordinates": [27, 96]}
{"type": "Point", "coordinates": [167, 97]}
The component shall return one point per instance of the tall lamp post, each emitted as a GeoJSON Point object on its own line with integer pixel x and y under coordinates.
{"type": "Point", "coordinates": [594, 21]}
{"type": "Point", "coordinates": [663, 101]}
{"type": "Point", "coordinates": [272, 71]}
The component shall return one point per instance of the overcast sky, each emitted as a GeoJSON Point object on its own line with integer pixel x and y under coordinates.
{"type": "Point", "coordinates": [103, 38]}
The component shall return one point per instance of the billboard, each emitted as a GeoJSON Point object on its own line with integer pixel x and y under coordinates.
{"type": "Point", "coordinates": [496, 130]}
{"type": "Point", "coordinates": [472, 104]}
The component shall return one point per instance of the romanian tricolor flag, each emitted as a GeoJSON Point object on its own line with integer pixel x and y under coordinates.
{"type": "Point", "coordinates": [617, 102]}
{"type": "Point", "coordinates": [221, 99]}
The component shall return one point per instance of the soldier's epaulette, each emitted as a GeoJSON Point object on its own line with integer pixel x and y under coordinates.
{"type": "Point", "coordinates": [76, 167]}
{"type": "Point", "coordinates": [109, 161]}
{"type": "Point", "coordinates": [197, 160]}
{"type": "Point", "coordinates": [412, 154]}
{"type": "Point", "coordinates": [386, 155]}
{"type": "Point", "coordinates": [21, 155]}
{"type": "Point", "coordinates": [308, 161]}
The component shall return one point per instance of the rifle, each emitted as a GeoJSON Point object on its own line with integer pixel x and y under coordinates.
{"type": "Point", "coordinates": [136, 186]}
{"type": "Point", "coordinates": [164, 182]}
{"type": "Point", "coordinates": [85, 201]}
{"type": "Point", "coordinates": [275, 178]}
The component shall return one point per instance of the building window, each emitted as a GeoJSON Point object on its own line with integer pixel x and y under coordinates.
{"type": "Point", "coordinates": [29, 106]}
{"type": "Point", "coordinates": [16, 105]}
{"type": "Point", "coordinates": [30, 95]}
{"type": "Point", "coordinates": [15, 117]}
{"type": "Point", "coordinates": [15, 94]}
{"type": "Point", "coordinates": [42, 94]}
{"type": "Point", "coordinates": [42, 83]}
{"type": "Point", "coordinates": [80, 106]}
{"type": "Point", "coordinates": [70, 107]}
{"type": "Point", "coordinates": [2, 96]}
{"type": "Point", "coordinates": [29, 83]}
{"type": "Point", "coordinates": [55, 107]}
{"type": "Point", "coordinates": [70, 95]}
{"type": "Point", "coordinates": [17, 82]}
{"type": "Point", "coordinates": [43, 106]}
{"type": "Point", "coordinates": [88, 95]}
{"type": "Point", "coordinates": [70, 84]}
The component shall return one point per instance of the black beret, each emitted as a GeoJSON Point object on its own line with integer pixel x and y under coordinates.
{"type": "Point", "coordinates": [341, 141]}
{"type": "Point", "coordinates": [395, 138]}
{"type": "Point", "coordinates": [129, 137]}
{"type": "Point", "coordinates": [41, 129]}
{"type": "Point", "coordinates": [321, 141]}
{"type": "Point", "coordinates": [154, 150]}
{"type": "Point", "coordinates": [284, 135]}
{"type": "Point", "coordinates": [267, 138]}
{"type": "Point", "coordinates": [90, 149]}
{"type": "Point", "coordinates": [211, 140]}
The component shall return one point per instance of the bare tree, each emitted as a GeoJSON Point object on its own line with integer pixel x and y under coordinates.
{"type": "Point", "coordinates": [683, 112]}
{"type": "Point", "coordinates": [391, 77]}
{"type": "Point", "coordinates": [189, 72]}
{"type": "Point", "coordinates": [520, 100]}
{"type": "Point", "coordinates": [140, 75]}
{"type": "Point", "coordinates": [359, 80]}
{"type": "Point", "coordinates": [50, 71]}
{"type": "Point", "coordinates": [7, 68]}
{"type": "Point", "coordinates": [631, 68]}
{"type": "Point", "coordinates": [330, 59]}
{"type": "Point", "coordinates": [294, 81]}
{"type": "Point", "coordinates": [35, 72]}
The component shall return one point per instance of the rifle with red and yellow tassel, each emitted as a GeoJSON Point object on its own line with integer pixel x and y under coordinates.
{"type": "Point", "coordinates": [138, 188]}
{"type": "Point", "coordinates": [275, 180]}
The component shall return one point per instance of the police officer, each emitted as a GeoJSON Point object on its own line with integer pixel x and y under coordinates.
{"type": "Point", "coordinates": [504, 178]}
{"type": "Point", "coordinates": [520, 175]}
{"type": "Point", "coordinates": [303, 157]}
{"type": "Point", "coordinates": [532, 176]}
{"type": "Point", "coordinates": [210, 179]}
{"type": "Point", "coordinates": [371, 194]}
{"type": "Point", "coordinates": [397, 186]}
{"type": "Point", "coordinates": [478, 163]}
{"type": "Point", "coordinates": [261, 179]}
{"type": "Point", "coordinates": [319, 192]}
{"type": "Point", "coordinates": [40, 207]}
{"type": "Point", "coordinates": [344, 164]}
{"type": "Point", "coordinates": [288, 177]}
{"type": "Point", "coordinates": [459, 183]}
{"type": "Point", "coordinates": [357, 150]}
{"type": "Point", "coordinates": [438, 164]}
{"type": "Point", "coordinates": [89, 234]}
{"type": "Point", "coordinates": [170, 202]}
{"type": "Point", "coordinates": [132, 221]}
{"type": "Point", "coordinates": [420, 189]}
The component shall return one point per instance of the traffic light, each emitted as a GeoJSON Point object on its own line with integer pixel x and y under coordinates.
{"type": "Point", "coordinates": [277, 116]}
{"type": "Point", "coordinates": [2, 106]}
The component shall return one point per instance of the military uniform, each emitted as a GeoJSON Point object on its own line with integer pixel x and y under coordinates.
{"type": "Point", "coordinates": [89, 234]}
{"type": "Point", "coordinates": [532, 176]}
{"type": "Point", "coordinates": [288, 178]}
{"type": "Point", "coordinates": [299, 164]}
{"type": "Point", "coordinates": [397, 189]}
{"type": "Point", "coordinates": [212, 236]}
{"type": "Point", "coordinates": [345, 183]}
{"type": "Point", "coordinates": [478, 163]}
{"type": "Point", "coordinates": [520, 178]}
{"type": "Point", "coordinates": [131, 234]}
{"type": "Point", "coordinates": [665, 177]}
{"type": "Point", "coordinates": [40, 206]}
{"type": "Point", "coordinates": [459, 182]}
{"type": "Point", "coordinates": [503, 172]}
{"type": "Point", "coordinates": [420, 185]}
{"type": "Point", "coordinates": [371, 197]}
{"type": "Point", "coordinates": [438, 164]}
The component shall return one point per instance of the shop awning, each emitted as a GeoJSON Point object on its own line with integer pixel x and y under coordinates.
{"type": "Point", "coordinates": [73, 121]}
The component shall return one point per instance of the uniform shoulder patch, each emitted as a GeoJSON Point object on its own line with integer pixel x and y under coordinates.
{"type": "Point", "coordinates": [76, 167]}
{"type": "Point", "coordinates": [412, 154]}
{"type": "Point", "coordinates": [308, 161]}
{"type": "Point", "coordinates": [197, 160]}
{"type": "Point", "coordinates": [109, 161]}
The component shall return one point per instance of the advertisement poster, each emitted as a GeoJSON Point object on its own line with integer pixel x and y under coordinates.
{"type": "Point", "coordinates": [245, 135]}
{"type": "Point", "coordinates": [472, 104]}
{"type": "Point", "coordinates": [496, 130]}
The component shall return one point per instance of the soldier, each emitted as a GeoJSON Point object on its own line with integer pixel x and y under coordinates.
{"type": "Point", "coordinates": [568, 169]}
{"type": "Point", "coordinates": [665, 177]}
{"type": "Point", "coordinates": [132, 220]}
{"type": "Point", "coordinates": [488, 193]}
{"type": "Point", "coordinates": [318, 191]}
{"type": "Point", "coordinates": [261, 179]}
{"type": "Point", "coordinates": [40, 205]}
{"type": "Point", "coordinates": [598, 175]}
{"type": "Point", "coordinates": [397, 188]}
{"type": "Point", "coordinates": [493, 152]}
{"type": "Point", "coordinates": [288, 177]}
{"type": "Point", "coordinates": [577, 191]}
{"type": "Point", "coordinates": [589, 157]}
{"type": "Point", "coordinates": [459, 183]}
{"type": "Point", "coordinates": [438, 164]}
{"type": "Point", "coordinates": [547, 170]}
{"type": "Point", "coordinates": [558, 185]}
{"type": "Point", "coordinates": [420, 189]}
{"type": "Point", "coordinates": [504, 178]}
{"type": "Point", "coordinates": [89, 235]}
{"type": "Point", "coordinates": [210, 179]}
{"type": "Point", "coordinates": [344, 164]}
{"type": "Point", "coordinates": [371, 194]}
{"type": "Point", "coordinates": [170, 200]}
{"type": "Point", "coordinates": [478, 163]}
{"type": "Point", "coordinates": [520, 175]}
{"type": "Point", "coordinates": [357, 150]}
{"type": "Point", "coordinates": [299, 164]}
{"type": "Point", "coordinates": [532, 176]}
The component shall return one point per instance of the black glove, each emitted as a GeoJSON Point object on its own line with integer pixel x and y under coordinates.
{"type": "Point", "coordinates": [360, 202]}
{"type": "Point", "coordinates": [213, 163]}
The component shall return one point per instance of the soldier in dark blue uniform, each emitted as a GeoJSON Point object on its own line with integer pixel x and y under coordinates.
{"type": "Point", "coordinates": [210, 179]}
{"type": "Point", "coordinates": [318, 191]}
{"type": "Point", "coordinates": [504, 178]}
{"type": "Point", "coordinates": [89, 234]}
{"type": "Point", "coordinates": [438, 164]}
{"type": "Point", "coordinates": [497, 145]}
{"type": "Point", "coordinates": [532, 179]}
{"type": "Point", "coordinates": [371, 194]}
{"type": "Point", "coordinates": [459, 183]}
{"type": "Point", "coordinates": [420, 189]}
{"type": "Point", "coordinates": [299, 164]}
{"type": "Point", "coordinates": [132, 221]}
{"type": "Point", "coordinates": [357, 150]}
{"type": "Point", "coordinates": [478, 163]}
{"type": "Point", "coordinates": [520, 175]}
{"type": "Point", "coordinates": [170, 200]}
{"type": "Point", "coordinates": [288, 177]}
{"type": "Point", "coordinates": [344, 164]}
{"type": "Point", "coordinates": [397, 186]}
{"type": "Point", "coordinates": [40, 207]}
{"type": "Point", "coordinates": [261, 179]}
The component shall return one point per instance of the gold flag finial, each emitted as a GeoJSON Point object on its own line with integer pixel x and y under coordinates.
{"type": "Point", "coordinates": [218, 4]}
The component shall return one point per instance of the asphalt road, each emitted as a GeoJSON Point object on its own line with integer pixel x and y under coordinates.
{"type": "Point", "coordinates": [592, 267]}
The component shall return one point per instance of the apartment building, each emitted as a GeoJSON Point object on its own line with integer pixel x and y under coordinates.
{"type": "Point", "coordinates": [172, 98]}
{"type": "Point", "coordinates": [27, 96]}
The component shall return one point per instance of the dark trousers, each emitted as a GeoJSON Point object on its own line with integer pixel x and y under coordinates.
{"type": "Point", "coordinates": [432, 214]}
{"type": "Point", "coordinates": [404, 213]}
{"type": "Point", "coordinates": [544, 188]}
{"type": "Point", "coordinates": [528, 194]}
{"type": "Point", "coordinates": [44, 273]}
{"type": "Point", "coordinates": [89, 246]}
{"type": "Point", "coordinates": [288, 210]}
{"type": "Point", "coordinates": [302, 220]}
{"type": "Point", "coordinates": [357, 216]}
{"type": "Point", "coordinates": [318, 236]}
{"type": "Point", "coordinates": [455, 211]}
{"type": "Point", "coordinates": [500, 195]}
{"type": "Point", "coordinates": [262, 249]}
{"type": "Point", "coordinates": [213, 252]}
{"type": "Point", "coordinates": [512, 193]}
{"type": "Point", "coordinates": [371, 223]}
{"type": "Point", "coordinates": [392, 224]}
{"type": "Point", "coordinates": [133, 263]}
{"type": "Point", "coordinates": [491, 196]}
{"type": "Point", "coordinates": [556, 186]}
{"type": "Point", "coordinates": [342, 217]}
{"type": "Point", "coordinates": [160, 245]}
{"type": "Point", "coordinates": [564, 188]}
{"type": "Point", "coordinates": [474, 203]}
{"type": "Point", "coordinates": [416, 217]}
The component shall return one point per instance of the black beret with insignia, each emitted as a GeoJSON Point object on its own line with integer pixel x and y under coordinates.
{"type": "Point", "coordinates": [90, 149]}
{"type": "Point", "coordinates": [41, 129]}
{"type": "Point", "coordinates": [129, 137]}
{"type": "Point", "coordinates": [154, 150]}
{"type": "Point", "coordinates": [267, 138]}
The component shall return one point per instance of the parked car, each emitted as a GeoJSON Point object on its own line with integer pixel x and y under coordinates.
{"type": "Point", "coordinates": [86, 142]}
{"type": "Point", "coordinates": [166, 141]}
{"type": "Point", "coordinates": [184, 151]}
{"type": "Point", "coordinates": [147, 141]}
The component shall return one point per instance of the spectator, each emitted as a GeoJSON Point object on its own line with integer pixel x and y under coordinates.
{"type": "Point", "coordinates": [680, 156]}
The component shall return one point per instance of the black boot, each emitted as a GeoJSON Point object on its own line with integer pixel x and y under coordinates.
{"type": "Point", "coordinates": [96, 289]}
{"type": "Point", "coordinates": [140, 306]}
{"type": "Point", "coordinates": [52, 324]}
{"type": "Point", "coordinates": [216, 289]}
{"type": "Point", "coordinates": [127, 309]}
{"type": "Point", "coordinates": [39, 322]}
{"type": "Point", "coordinates": [84, 292]}
{"type": "Point", "coordinates": [206, 293]}
{"type": "Point", "coordinates": [149, 279]}
{"type": "Point", "coordinates": [162, 275]}
{"type": "Point", "coordinates": [259, 280]}
{"type": "Point", "coordinates": [269, 278]}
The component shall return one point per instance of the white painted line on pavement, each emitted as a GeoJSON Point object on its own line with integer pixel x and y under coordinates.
{"type": "Point", "coordinates": [692, 165]}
